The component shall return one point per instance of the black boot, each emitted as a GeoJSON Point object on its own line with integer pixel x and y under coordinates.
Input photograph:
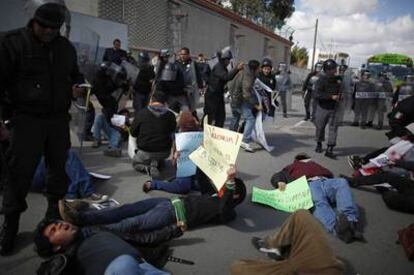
{"type": "Point", "coordinates": [369, 124]}
{"type": "Point", "coordinates": [329, 152]}
{"type": "Point", "coordinates": [318, 148]}
{"type": "Point", "coordinates": [52, 211]}
{"type": "Point", "coordinates": [8, 233]}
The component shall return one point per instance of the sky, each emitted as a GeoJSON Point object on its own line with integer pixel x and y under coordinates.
{"type": "Point", "coordinates": [359, 28]}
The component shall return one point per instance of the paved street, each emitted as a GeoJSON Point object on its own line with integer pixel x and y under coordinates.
{"type": "Point", "coordinates": [214, 248]}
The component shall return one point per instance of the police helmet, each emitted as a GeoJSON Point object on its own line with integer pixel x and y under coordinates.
{"type": "Point", "coordinates": [282, 66]}
{"type": "Point", "coordinates": [165, 53]}
{"type": "Point", "coordinates": [267, 63]}
{"type": "Point", "coordinates": [318, 67]}
{"type": "Point", "coordinates": [225, 53]}
{"type": "Point", "coordinates": [366, 73]}
{"type": "Point", "coordinates": [143, 57]}
{"type": "Point", "coordinates": [329, 64]}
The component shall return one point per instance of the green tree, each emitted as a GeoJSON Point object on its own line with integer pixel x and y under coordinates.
{"type": "Point", "coordinates": [299, 56]}
{"type": "Point", "coordinates": [267, 13]}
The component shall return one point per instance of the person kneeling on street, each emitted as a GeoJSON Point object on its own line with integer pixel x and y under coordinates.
{"type": "Point", "coordinates": [325, 190]}
{"type": "Point", "coordinates": [154, 128]}
{"type": "Point", "coordinates": [300, 247]}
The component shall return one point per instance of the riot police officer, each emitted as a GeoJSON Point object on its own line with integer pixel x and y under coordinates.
{"type": "Point", "coordinates": [143, 83]}
{"type": "Point", "coordinates": [283, 84]}
{"type": "Point", "coordinates": [328, 95]}
{"type": "Point", "coordinates": [38, 77]}
{"type": "Point", "coordinates": [383, 89]}
{"type": "Point", "coordinates": [308, 92]}
{"type": "Point", "coordinates": [364, 99]}
{"type": "Point", "coordinates": [169, 80]}
{"type": "Point", "coordinates": [214, 106]}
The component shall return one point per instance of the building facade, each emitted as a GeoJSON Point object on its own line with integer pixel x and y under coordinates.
{"type": "Point", "coordinates": [201, 25]}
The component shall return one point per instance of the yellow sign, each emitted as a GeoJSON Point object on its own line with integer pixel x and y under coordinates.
{"type": "Point", "coordinates": [219, 151]}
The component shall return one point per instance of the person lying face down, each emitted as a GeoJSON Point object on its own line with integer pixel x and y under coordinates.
{"type": "Point", "coordinates": [326, 191]}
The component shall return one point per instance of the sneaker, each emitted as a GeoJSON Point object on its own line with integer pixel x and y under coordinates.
{"type": "Point", "coordinates": [354, 161]}
{"type": "Point", "coordinates": [113, 152]}
{"type": "Point", "coordinates": [69, 211]}
{"type": "Point", "coordinates": [95, 198]}
{"type": "Point", "coordinates": [285, 115]}
{"type": "Point", "coordinates": [89, 138]}
{"type": "Point", "coordinates": [246, 147]}
{"type": "Point", "coordinates": [357, 232]}
{"type": "Point", "coordinates": [96, 143]}
{"type": "Point", "coordinates": [363, 125]}
{"type": "Point", "coordinates": [343, 228]}
{"type": "Point", "coordinates": [355, 124]}
{"type": "Point", "coordinates": [329, 153]}
{"type": "Point", "coordinates": [258, 243]}
{"type": "Point", "coordinates": [154, 172]}
{"type": "Point", "coordinates": [369, 124]}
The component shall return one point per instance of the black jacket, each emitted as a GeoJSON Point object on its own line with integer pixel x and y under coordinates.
{"type": "Point", "coordinates": [268, 80]}
{"type": "Point", "coordinates": [186, 68]}
{"type": "Point", "coordinates": [143, 82]}
{"type": "Point", "coordinates": [218, 78]}
{"type": "Point", "coordinates": [325, 87]}
{"type": "Point", "coordinates": [37, 78]}
{"type": "Point", "coordinates": [115, 56]}
{"type": "Point", "coordinates": [307, 85]}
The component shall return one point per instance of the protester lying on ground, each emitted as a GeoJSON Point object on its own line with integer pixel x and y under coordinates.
{"type": "Point", "coordinates": [80, 185]}
{"type": "Point", "coordinates": [403, 150]}
{"type": "Point", "coordinates": [156, 213]}
{"type": "Point", "coordinates": [115, 129]}
{"type": "Point", "coordinates": [403, 198]}
{"type": "Point", "coordinates": [154, 128]}
{"type": "Point", "coordinates": [326, 191]}
{"type": "Point", "coordinates": [95, 250]}
{"type": "Point", "coordinates": [300, 247]}
{"type": "Point", "coordinates": [179, 185]}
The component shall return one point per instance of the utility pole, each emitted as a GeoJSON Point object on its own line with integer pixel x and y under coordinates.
{"type": "Point", "coordinates": [314, 45]}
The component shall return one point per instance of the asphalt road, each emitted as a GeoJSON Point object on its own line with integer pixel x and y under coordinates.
{"type": "Point", "coordinates": [214, 248]}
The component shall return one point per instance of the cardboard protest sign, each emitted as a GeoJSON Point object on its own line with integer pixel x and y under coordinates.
{"type": "Point", "coordinates": [296, 196]}
{"type": "Point", "coordinates": [186, 143]}
{"type": "Point", "coordinates": [219, 151]}
{"type": "Point", "coordinates": [214, 168]}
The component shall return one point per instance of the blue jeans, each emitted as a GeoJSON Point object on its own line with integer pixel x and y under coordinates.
{"type": "Point", "coordinates": [80, 185]}
{"type": "Point", "coordinates": [325, 193]}
{"type": "Point", "coordinates": [148, 214]}
{"type": "Point", "coordinates": [178, 185]}
{"type": "Point", "coordinates": [235, 119]}
{"type": "Point", "coordinates": [128, 265]}
{"type": "Point", "coordinates": [248, 116]}
{"type": "Point", "coordinates": [102, 125]}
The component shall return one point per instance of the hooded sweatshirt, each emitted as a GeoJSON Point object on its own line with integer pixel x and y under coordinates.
{"type": "Point", "coordinates": [154, 127]}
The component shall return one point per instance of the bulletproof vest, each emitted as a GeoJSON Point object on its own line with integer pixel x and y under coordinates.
{"type": "Point", "coordinates": [115, 72]}
{"type": "Point", "coordinates": [406, 90]}
{"type": "Point", "coordinates": [169, 72]}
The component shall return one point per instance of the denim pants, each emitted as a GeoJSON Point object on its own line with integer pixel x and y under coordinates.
{"type": "Point", "coordinates": [102, 125]}
{"type": "Point", "coordinates": [178, 185]}
{"type": "Point", "coordinates": [248, 116]}
{"type": "Point", "coordinates": [328, 192]}
{"type": "Point", "coordinates": [148, 214]}
{"type": "Point", "coordinates": [235, 119]}
{"type": "Point", "coordinates": [128, 265]}
{"type": "Point", "coordinates": [80, 185]}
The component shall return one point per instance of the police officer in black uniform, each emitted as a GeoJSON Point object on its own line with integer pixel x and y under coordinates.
{"type": "Point", "coordinates": [328, 95]}
{"type": "Point", "coordinates": [308, 91]}
{"type": "Point", "coordinates": [169, 79]}
{"type": "Point", "coordinates": [214, 105]}
{"type": "Point", "coordinates": [143, 83]}
{"type": "Point", "coordinates": [38, 76]}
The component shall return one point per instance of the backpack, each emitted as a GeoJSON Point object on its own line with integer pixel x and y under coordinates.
{"type": "Point", "coordinates": [406, 239]}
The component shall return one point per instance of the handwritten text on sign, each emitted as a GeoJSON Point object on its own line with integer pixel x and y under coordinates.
{"type": "Point", "coordinates": [296, 196]}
